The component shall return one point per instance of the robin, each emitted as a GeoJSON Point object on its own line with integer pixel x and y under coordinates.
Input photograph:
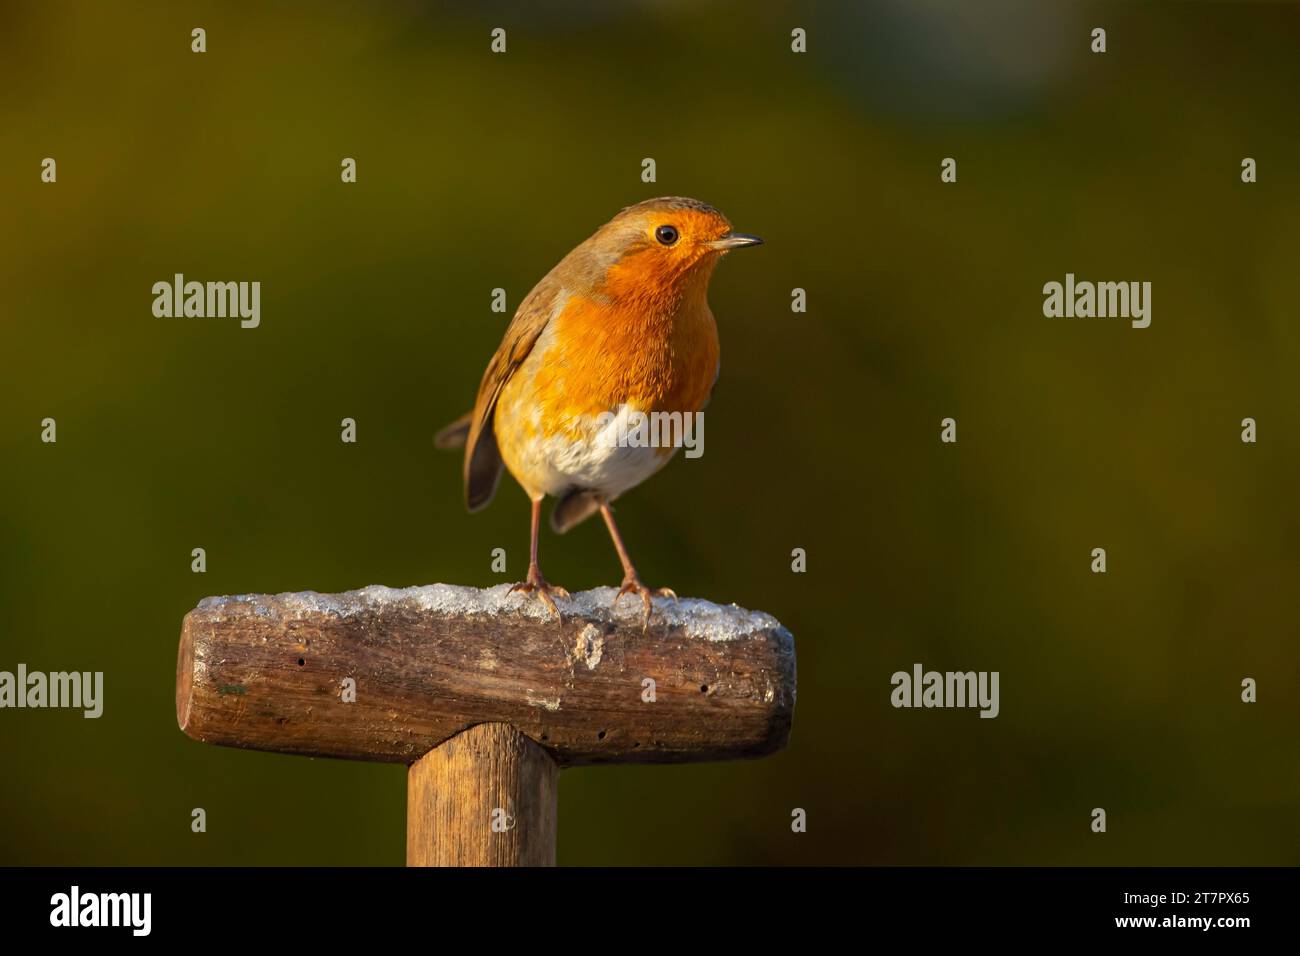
{"type": "Point", "coordinates": [621, 328]}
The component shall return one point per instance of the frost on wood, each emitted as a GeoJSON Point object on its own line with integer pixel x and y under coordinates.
{"type": "Point", "coordinates": [694, 617]}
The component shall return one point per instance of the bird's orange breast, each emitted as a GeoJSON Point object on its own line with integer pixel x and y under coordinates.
{"type": "Point", "coordinates": [653, 351]}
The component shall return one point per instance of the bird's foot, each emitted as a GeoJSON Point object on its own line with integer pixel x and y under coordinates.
{"type": "Point", "coordinates": [537, 584]}
{"type": "Point", "coordinates": [634, 585]}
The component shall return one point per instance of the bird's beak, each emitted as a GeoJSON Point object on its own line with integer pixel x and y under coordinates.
{"type": "Point", "coordinates": [734, 240]}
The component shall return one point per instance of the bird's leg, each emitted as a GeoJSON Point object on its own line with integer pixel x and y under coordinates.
{"type": "Point", "coordinates": [535, 581]}
{"type": "Point", "coordinates": [631, 580]}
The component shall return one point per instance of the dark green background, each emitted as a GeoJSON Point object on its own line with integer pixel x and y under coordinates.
{"type": "Point", "coordinates": [477, 171]}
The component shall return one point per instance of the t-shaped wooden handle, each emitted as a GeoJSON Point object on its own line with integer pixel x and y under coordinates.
{"type": "Point", "coordinates": [485, 694]}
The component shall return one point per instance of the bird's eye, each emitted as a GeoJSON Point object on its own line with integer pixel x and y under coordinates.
{"type": "Point", "coordinates": [667, 235]}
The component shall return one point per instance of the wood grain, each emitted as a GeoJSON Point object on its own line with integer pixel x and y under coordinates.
{"type": "Point", "coordinates": [268, 672]}
{"type": "Point", "coordinates": [486, 797]}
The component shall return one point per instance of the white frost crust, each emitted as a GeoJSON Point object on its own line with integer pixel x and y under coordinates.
{"type": "Point", "coordinates": [697, 618]}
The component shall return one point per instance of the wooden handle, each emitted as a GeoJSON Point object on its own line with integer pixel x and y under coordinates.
{"type": "Point", "coordinates": [486, 797]}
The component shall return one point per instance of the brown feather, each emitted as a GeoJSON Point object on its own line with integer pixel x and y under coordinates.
{"type": "Point", "coordinates": [453, 435]}
{"type": "Point", "coordinates": [573, 509]}
{"type": "Point", "coordinates": [482, 457]}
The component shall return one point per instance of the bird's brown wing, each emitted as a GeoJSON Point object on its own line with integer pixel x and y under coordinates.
{"type": "Point", "coordinates": [482, 457]}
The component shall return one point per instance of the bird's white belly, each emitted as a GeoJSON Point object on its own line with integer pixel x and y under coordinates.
{"type": "Point", "coordinates": [596, 455]}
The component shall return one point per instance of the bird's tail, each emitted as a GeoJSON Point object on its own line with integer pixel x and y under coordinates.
{"type": "Point", "coordinates": [454, 435]}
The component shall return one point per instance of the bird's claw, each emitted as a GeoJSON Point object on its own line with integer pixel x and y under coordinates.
{"type": "Point", "coordinates": [537, 584]}
{"type": "Point", "coordinates": [633, 584]}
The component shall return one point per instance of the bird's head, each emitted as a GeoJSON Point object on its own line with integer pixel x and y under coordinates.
{"type": "Point", "coordinates": [663, 246]}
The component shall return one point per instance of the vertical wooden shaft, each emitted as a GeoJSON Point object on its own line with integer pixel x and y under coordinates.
{"type": "Point", "coordinates": [486, 797]}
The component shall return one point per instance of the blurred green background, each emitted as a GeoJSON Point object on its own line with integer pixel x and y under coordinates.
{"type": "Point", "coordinates": [479, 170]}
